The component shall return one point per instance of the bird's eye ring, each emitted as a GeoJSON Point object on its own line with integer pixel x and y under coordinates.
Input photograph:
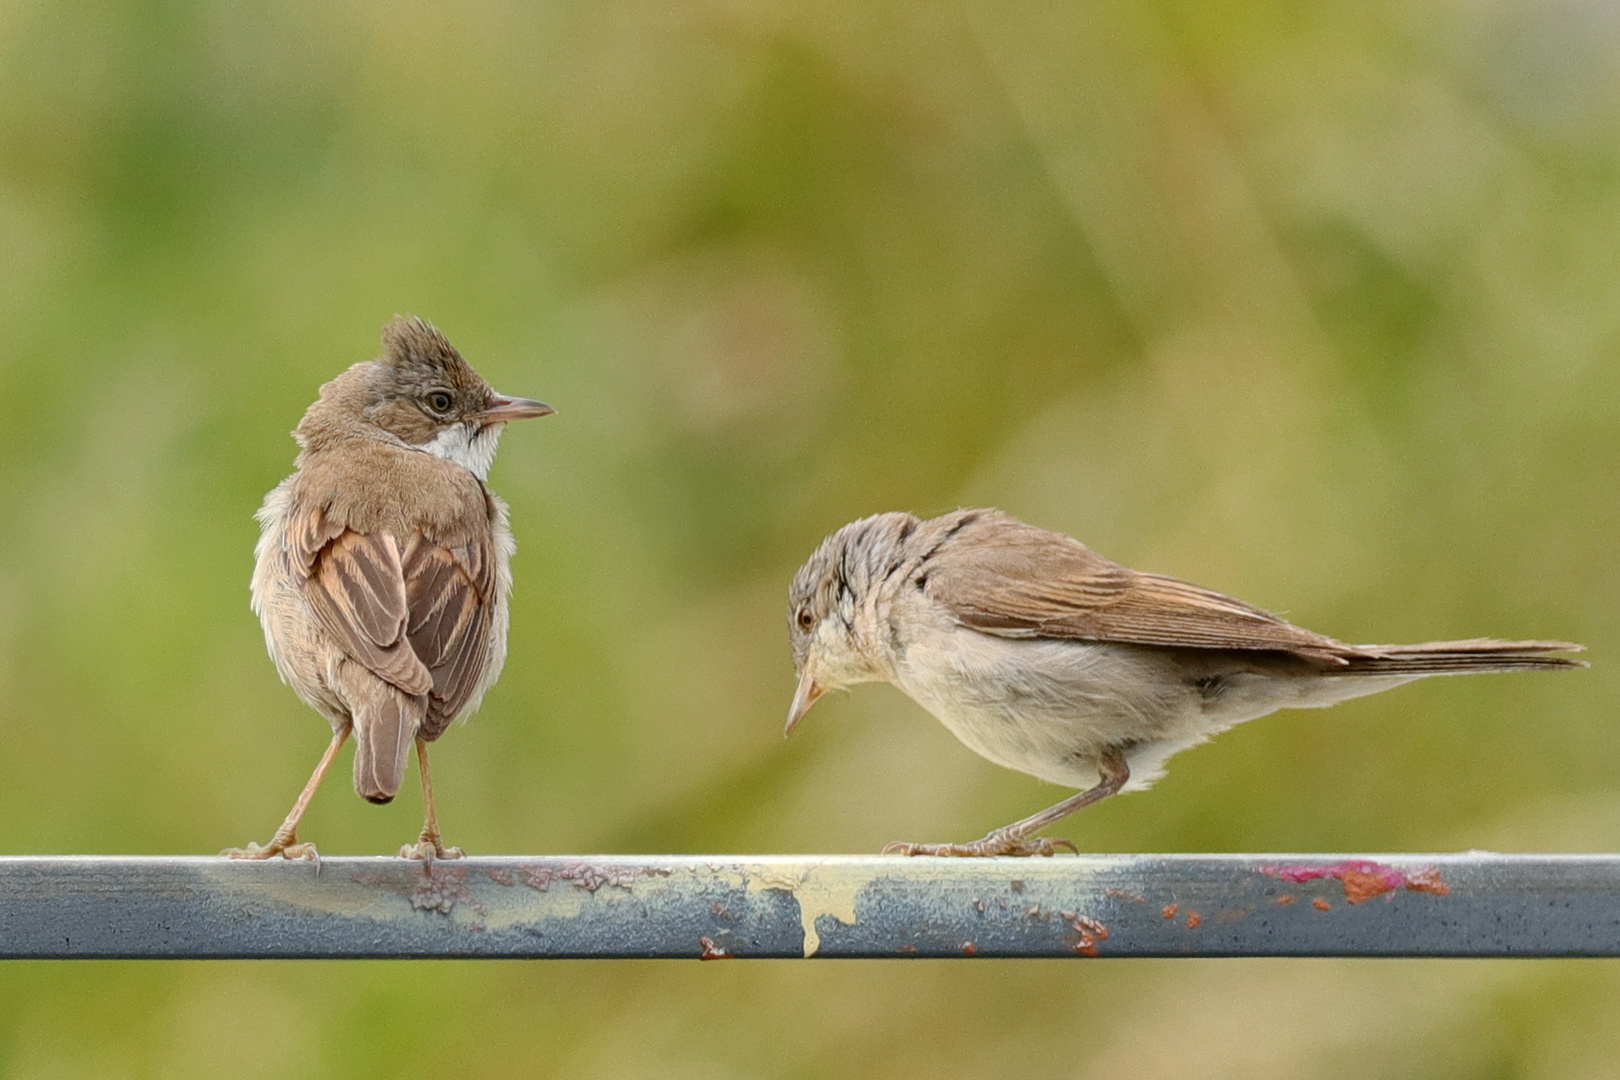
{"type": "Point", "coordinates": [807, 619]}
{"type": "Point", "coordinates": [439, 401]}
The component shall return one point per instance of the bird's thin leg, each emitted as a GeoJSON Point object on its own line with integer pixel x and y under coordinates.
{"type": "Point", "coordinates": [285, 842]}
{"type": "Point", "coordinates": [1015, 839]}
{"type": "Point", "coordinates": [429, 845]}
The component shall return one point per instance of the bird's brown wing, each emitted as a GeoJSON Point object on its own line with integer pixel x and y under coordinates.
{"type": "Point", "coordinates": [356, 589]}
{"type": "Point", "coordinates": [451, 596]}
{"type": "Point", "coordinates": [1001, 576]}
{"type": "Point", "coordinates": [418, 618]}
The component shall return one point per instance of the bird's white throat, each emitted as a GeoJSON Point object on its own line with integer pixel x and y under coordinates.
{"type": "Point", "coordinates": [468, 445]}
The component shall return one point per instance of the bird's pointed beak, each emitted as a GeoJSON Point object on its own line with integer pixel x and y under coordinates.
{"type": "Point", "coordinates": [804, 697]}
{"type": "Point", "coordinates": [502, 409]}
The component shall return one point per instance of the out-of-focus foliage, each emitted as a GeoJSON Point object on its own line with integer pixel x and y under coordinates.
{"type": "Point", "coordinates": [1317, 304]}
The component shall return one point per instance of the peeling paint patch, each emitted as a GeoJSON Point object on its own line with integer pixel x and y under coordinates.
{"type": "Point", "coordinates": [440, 888]}
{"type": "Point", "coordinates": [1428, 880]}
{"type": "Point", "coordinates": [817, 895]}
{"type": "Point", "coordinates": [712, 950]}
{"type": "Point", "coordinates": [584, 875]}
{"type": "Point", "coordinates": [1364, 879]}
{"type": "Point", "coordinates": [1083, 931]}
{"type": "Point", "coordinates": [1088, 930]}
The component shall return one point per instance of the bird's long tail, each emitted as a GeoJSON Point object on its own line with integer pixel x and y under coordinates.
{"type": "Point", "coordinates": [386, 720]}
{"type": "Point", "coordinates": [1458, 657]}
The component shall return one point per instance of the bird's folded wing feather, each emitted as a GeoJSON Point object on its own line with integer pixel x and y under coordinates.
{"type": "Point", "coordinates": [1000, 576]}
{"type": "Point", "coordinates": [356, 589]}
{"type": "Point", "coordinates": [418, 618]}
{"type": "Point", "coordinates": [450, 594]}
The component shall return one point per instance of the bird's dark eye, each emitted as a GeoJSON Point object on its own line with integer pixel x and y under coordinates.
{"type": "Point", "coordinates": [439, 401]}
{"type": "Point", "coordinates": [807, 619]}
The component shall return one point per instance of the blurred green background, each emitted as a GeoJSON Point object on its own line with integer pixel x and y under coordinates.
{"type": "Point", "coordinates": [1317, 304]}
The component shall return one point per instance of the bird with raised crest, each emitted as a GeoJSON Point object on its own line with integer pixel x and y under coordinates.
{"type": "Point", "coordinates": [382, 568]}
{"type": "Point", "coordinates": [1045, 657]}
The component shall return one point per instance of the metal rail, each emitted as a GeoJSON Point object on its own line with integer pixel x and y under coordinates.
{"type": "Point", "coordinates": [715, 907]}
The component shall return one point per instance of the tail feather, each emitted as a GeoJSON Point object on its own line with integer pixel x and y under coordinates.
{"type": "Point", "coordinates": [386, 720]}
{"type": "Point", "coordinates": [1477, 655]}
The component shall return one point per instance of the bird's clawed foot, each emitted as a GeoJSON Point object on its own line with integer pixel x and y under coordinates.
{"type": "Point", "coordinates": [429, 847]}
{"type": "Point", "coordinates": [997, 843]}
{"type": "Point", "coordinates": [287, 847]}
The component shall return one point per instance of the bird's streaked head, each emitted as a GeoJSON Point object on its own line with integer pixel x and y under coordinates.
{"type": "Point", "coordinates": [829, 616]}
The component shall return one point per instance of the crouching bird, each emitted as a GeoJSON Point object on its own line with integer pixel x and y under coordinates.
{"type": "Point", "coordinates": [1045, 657]}
{"type": "Point", "coordinates": [383, 565]}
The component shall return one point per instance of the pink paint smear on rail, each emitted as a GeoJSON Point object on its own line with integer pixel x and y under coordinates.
{"type": "Point", "coordinates": [1364, 879]}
